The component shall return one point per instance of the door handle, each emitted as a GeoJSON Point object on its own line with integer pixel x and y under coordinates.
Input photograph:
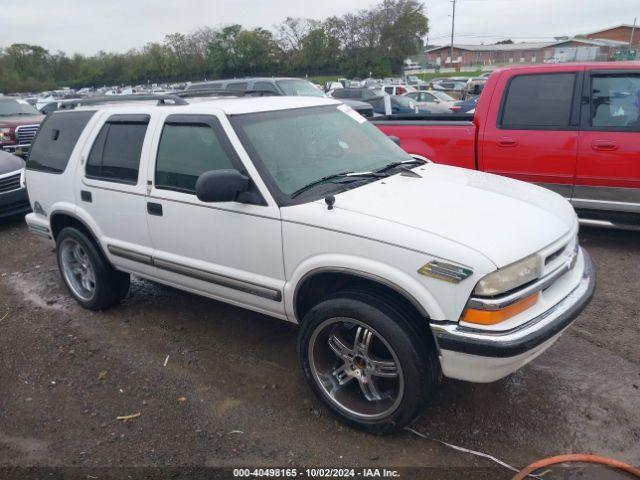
{"type": "Point", "coordinates": [604, 145]}
{"type": "Point", "coordinates": [154, 209]}
{"type": "Point", "coordinates": [507, 142]}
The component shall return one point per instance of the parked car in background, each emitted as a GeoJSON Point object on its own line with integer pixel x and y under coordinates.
{"type": "Point", "coordinates": [571, 127]}
{"type": "Point", "coordinates": [465, 106]}
{"type": "Point", "coordinates": [433, 101]}
{"type": "Point", "coordinates": [400, 104]}
{"type": "Point", "coordinates": [449, 86]}
{"type": "Point", "coordinates": [279, 86]}
{"type": "Point", "coordinates": [13, 194]}
{"type": "Point", "coordinates": [397, 89]}
{"type": "Point", "coordinates": [19, 122]}
{"type": "Point", "coordinates": [474, 87]}
{"type": "Point", "coordinates": [397, 270]}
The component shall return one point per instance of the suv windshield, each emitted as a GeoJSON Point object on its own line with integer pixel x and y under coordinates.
{"type": "Point", "coordinates": [301, 146]}
{"type": "Point", "coordinates": [12, 107]}
{"type": "Point", "coordinates": [299, 88]}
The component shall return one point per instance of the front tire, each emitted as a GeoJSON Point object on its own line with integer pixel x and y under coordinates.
{"type": "Point", "coordinates": [89, 277]}
{"type": "Point", "coordinates": [368, 361]}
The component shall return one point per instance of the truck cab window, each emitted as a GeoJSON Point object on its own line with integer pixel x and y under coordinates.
{"type": "Point", "coordinates": [538, 101]}
{"type": "Point", "coordinates": [615, 101]}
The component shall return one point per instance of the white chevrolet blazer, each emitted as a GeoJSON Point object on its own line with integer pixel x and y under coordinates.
{"type": "Point", "coordinates": [397, 270]}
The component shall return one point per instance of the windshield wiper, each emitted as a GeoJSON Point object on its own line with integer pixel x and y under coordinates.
{"type": "Point", "coordinates": [413, 161]}
{"type": "Point", "coordinates": [335, 176]}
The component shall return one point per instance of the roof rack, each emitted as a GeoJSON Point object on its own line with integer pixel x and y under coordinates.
{"type": "Point", "coordinates": [162, 100]}
{"type": "Point", "coordinates": [195, 92]}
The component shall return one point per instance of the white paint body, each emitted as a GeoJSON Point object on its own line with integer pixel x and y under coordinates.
{"type": "Point", "coordinates": [386, 229]}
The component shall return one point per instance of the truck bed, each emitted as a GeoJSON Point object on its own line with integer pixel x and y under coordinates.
{"type": "Point", "coordinates": [446, 139]}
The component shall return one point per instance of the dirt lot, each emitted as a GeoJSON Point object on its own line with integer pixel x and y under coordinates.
{"type": "Point", "coordinates": [68, 373]}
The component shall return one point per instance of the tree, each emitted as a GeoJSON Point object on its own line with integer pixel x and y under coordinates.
{"type": "Point", "coordinates": [377, 40]}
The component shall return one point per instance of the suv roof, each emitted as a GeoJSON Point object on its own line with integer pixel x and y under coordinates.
{"type": "Point", "coordinates": [227, 105]}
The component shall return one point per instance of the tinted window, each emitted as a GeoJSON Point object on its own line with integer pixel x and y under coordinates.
{"type": "Point", "coordinates": [237, 87]}
{"type": "Point", "coordinates": [205, 86]}
{"type": "Point", "coordinates": [615, 101]}
{"type": "Point", "coordinates": [538, 101]}
{"type": "Point", "coordinates": [299, 88]}
{"type": "Point", "coordinates": [185, 152]}
{"type": "Point", "coordinates": [115, 155]}
{"type": "Point", "coordinates": [54, 143]}
{"type": "Point", "coordinates": [346, 93]}
{"type": "Point", "coordinates": [266, 87]}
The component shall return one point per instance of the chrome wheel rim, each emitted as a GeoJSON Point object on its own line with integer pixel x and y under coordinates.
{"type": "Point", "coordinates": [356, 368]}
{"type": "Point", "coordinates": [77, 269]}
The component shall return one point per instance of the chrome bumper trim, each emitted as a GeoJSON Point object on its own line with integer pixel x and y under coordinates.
{"type": "Point", "coordinates": [451, 336]}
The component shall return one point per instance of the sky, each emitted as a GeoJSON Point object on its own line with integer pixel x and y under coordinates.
{"type": "Point", "coordinates": [88, 26]}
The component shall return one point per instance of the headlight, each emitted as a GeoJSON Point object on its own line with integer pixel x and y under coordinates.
{"type": "Point", "coordinates": [510, 277]}
{"type": "Point", "coordinates": [6, 135]}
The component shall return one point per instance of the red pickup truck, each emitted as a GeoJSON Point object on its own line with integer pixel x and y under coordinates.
{"type": "Point", "coordinates": [573, 128]}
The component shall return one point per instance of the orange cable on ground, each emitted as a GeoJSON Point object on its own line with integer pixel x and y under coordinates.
{"type": "Point", "coordinates": [576, 457]}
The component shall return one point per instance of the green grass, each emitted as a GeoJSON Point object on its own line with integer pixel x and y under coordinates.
{"type": "Point", "coordinates": [322, 79]}
{"type": "Point", "coordinates": [430, 76]}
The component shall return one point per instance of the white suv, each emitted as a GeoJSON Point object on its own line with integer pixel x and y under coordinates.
{"type": "Point", "coordinates": [397, 270]}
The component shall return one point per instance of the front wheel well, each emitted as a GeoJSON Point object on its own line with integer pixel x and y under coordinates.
{"type": "Point", "coordinates": [319, 286]}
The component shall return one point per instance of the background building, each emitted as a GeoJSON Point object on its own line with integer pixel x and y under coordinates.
{"type": "Point", "coordinates": [620, 42]}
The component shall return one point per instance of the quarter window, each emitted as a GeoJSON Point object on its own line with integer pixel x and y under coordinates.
{"type": "Point", "coordinates": [185, 152]}
{"type": "Point", "coordinates": [615, 101]}
{"type": "Point", "coordinates": [56, 140]}
{"type": "Point", "coordinates": [115, 155]}
{"type": "Point", "coordinates": [538, 101]}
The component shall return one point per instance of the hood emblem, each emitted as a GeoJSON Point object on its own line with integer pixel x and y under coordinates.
{"type": "Point", "coordinates": [445, 271]}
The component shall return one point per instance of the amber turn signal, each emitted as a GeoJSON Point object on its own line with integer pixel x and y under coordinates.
{"type": "Point", "coordinates": [491, 317]}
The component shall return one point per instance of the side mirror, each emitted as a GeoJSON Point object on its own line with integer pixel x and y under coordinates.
{"type": "Point", "coordinates": [221, 185]}
{"type": "Point", "coordinates": [394, 139]}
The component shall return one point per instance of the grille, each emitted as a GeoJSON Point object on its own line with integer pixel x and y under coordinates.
{"type": "Point", "coordinates": [554, 255]}
{"type": "Point", "coordinates": [10, 183]}
{"type": "Point", "coordinates": [25, 134]}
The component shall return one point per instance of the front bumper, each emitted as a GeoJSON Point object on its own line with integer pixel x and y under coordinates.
{"type": "Point", "coordinates": [19, 150]}
{"type": "Point", "coordinates": [14, 203]}
{"type": "Point", "coordinates": [482, 356]}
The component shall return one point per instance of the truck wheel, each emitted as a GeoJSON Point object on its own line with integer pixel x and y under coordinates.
{"type": "Point", "coordinates": [89, 277]}
{"type": "Point", "coordinates": [367, 361]}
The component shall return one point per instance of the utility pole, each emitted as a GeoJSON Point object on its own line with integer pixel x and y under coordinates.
{"type": "Point", "coordinates": [453, 24]}
{"type": "Point", "coordinates": [633, 30]}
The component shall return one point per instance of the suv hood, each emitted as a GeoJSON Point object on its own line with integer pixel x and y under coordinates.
{"type": "Point", "coordinates": [504, 219]}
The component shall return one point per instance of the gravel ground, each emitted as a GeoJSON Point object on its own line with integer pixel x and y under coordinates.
{"type": "Point", "coordinates": [231, 393]}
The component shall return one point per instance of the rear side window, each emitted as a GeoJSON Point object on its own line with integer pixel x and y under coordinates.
{"type": "Point", "coordinates": [55, 141]}
{"type": "Point", "coordinates": [115, 155]}
{"type": "Point", "coordinates": [538, 101]}
{"type": "Point", "coordinates": [185, 152]}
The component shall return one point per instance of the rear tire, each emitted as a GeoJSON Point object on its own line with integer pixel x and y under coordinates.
{"type": "Point", "coordinates": [89, 277]}
{"type": "Point", "coordinates": [368, 361]}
